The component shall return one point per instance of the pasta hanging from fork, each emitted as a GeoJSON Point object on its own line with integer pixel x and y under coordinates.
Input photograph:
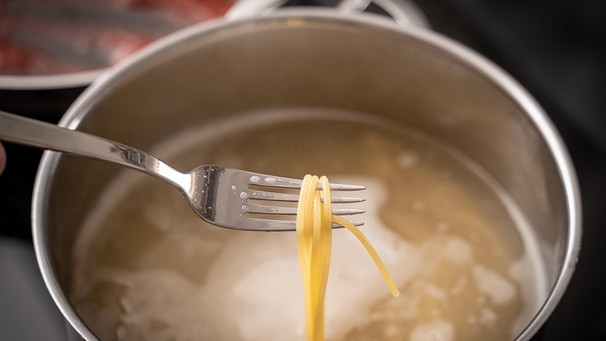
{"type": "Point", "coordinates": [314, 242]}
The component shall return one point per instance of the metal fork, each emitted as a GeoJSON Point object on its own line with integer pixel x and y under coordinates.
{"type": "Point", "coordinates": [225, 197]}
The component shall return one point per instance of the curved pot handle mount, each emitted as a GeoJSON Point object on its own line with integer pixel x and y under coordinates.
{"type": "Point", "coordinates": [403, 12]}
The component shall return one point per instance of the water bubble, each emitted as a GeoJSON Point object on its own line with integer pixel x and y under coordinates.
{"type": "Point", "coordinates": [270, 180]}
{"type": "Point", "coordinates": [418, 205]}
{"type": "Point", "coordinates": [233, 187]}
{"type": "Point", "coordinates": [243, 195]}
{"type": "Point", "coordinates": [408, 160]}
{"type": "Point", "coordinates": [254, 178]}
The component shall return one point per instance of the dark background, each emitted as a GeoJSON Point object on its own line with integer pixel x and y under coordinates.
{"type": "Point", "coordinates": [556, 49]}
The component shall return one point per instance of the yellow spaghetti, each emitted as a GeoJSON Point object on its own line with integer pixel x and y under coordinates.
{"type": "Point", "coordinates": [314, 242]}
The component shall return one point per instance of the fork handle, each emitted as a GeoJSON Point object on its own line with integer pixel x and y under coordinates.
{"type": "Point", "coordinates": [34, 133]}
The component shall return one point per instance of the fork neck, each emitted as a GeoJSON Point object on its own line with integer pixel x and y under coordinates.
{"type": "Point", "coordinates": [144, 162]}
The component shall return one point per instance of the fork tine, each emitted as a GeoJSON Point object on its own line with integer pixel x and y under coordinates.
{"type": "Point", "coordinates": [343, 187]}
{"type": "Point", "coordinates": [346, 200]}
{"type": "Point", "coordinates": [289, 197]}
{"type": "Point", "coordinates": [281, 182]}
{"type": "Point", "coordinates": [241, 188]}
{"type": "Point", "coordinates": [257, 224]}
{"type": "Point", "coordinates": [266, 209]}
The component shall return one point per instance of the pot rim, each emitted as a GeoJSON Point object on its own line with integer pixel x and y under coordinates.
{"type": "Point", "coordinates": [463, 54]}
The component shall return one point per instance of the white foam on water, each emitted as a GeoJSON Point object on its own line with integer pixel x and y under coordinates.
{"type": "Point", "coordinates": [500, 290]}
{"type": "Point", "coordinates": [264, 294]}
{"type": "Point", "coordinates": [261, 298]}
{"type": "Point", "coordinates": [438, 330]}
{"type": "Point", "coordinates": [254, 289]}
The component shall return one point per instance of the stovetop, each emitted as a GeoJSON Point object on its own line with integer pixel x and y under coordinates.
{"type": "Point", "coordinates": [556, 49]}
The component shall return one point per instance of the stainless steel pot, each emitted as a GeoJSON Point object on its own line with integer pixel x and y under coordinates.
{"type": "Point", "coordinates": [307, 58]}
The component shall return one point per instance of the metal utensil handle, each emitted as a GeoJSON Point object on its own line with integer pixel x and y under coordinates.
{"type": "Point", "coordinates": [403, 12]}
{"type": "Point", "coordinates": [34, 133]}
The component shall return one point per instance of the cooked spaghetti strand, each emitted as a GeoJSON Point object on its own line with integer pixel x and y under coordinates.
{"type": "Point", "coordinates": [314, 243]}
{"type": "Point", "coordinates": [371, 250]}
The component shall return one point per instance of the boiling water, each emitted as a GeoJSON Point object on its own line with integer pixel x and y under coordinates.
{"type": "Point", "coordinates": [146, 268]}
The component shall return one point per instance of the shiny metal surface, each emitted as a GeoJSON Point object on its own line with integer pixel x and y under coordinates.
{"type": "Point", "coordinates": [217, 194]}
{"type": "Point", "coordinates": [318, 58]}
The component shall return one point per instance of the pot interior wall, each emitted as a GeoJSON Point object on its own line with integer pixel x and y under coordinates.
{"type": "Point", "coordinates": [290, 62]}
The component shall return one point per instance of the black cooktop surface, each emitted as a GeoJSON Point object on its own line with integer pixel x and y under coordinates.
{"type": "Point", "coordinates": [556, 49]}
